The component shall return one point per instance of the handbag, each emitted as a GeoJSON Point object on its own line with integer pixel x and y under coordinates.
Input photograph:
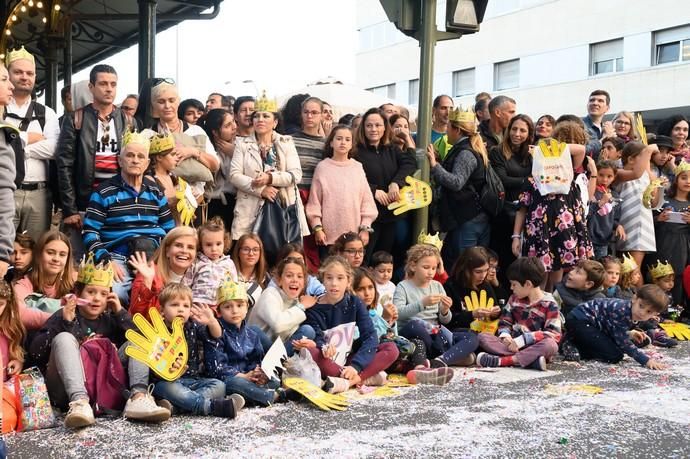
{"type": "Point", "coordinates": [276, 225]}
{"type": "Point", "coordinates": [191, 169]}
{"type": "Point", "coordinates": [32, 402]}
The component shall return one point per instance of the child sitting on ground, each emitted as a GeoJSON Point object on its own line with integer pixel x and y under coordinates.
{"type": "Point", "coordinates": [601, 328]}
{"type": "Point", "coordinates": [381, 266]}
{"type": "Point", "coordinates": [612, 267]}
{"type": "Point", "coordinates": [663, 276]}
{"type": "Point", "coordinates": [530, 326]}
{"type": "Point", "coordinates": [191, 393]}
{"type": "Point", "coordinates": [500, 292]}
{"type": "Point", "coordinates": [630, 277]}
{"type": "Point", "coordinates": [96, 314]}
{"type": "Point", "coordinates": [582, 283]}
{"type": "Point", "coordinates": [21, 257]}
{"type": "Point", "coordinates": [603, 219]}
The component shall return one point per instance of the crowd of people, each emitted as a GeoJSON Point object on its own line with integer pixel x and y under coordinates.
{"type": "Point", "coordinates": [164, 204]}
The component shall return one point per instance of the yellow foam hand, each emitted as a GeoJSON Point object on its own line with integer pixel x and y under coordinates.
{"type": "Point", "coordinates": [676, 330]}
{"type": "Point", "coordinates": [648, 194]}
{"type": "Point", "coordinates": [155, 346]}
{"type": "Point", "coordinates": [415, 195]}
{"type": "Point", "coordinates": [321, 399]}
{"type": "Point", "coordinates": [553, 149]}
{"type": "Point", "coordinates": [474, 302]}
{"type": "Point", "coordinates": [186, 202]}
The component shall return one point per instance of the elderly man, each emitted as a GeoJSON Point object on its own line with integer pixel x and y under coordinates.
{"type": "Point", "coordinates": [127, 213]}
{"type": "Point", "coordinates": [39, 130]}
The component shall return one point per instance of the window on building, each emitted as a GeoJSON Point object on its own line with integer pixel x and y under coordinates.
{"type": "Point", "coordinates": [463, 82]}
{"type": "Point", "coordinates": [672, 45]}
{"type": "Point", "coordinates": [413, 92]}
{"type": "Point", "coordinates": [606, 57]}
{"type": "Point", "coordinates": [507, 75]}
{"type": "Point", "coordinates": [387, 90]}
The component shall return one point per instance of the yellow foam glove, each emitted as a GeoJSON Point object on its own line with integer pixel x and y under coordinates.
{"type": "Point", "coordinates": [648, 194]}
{"type": "Point", "coordinates": [321, 399]}
{"type": "Point", "coordinates": [676, 330]}
{"type": "Point", "coordinates": [162, 351]}
{"type": "Point", "coordinates": [415, 195]}
{"type": "Point", "coordinates": [186, 202]}
{"type": "Point", "coordinates": [474, 302]}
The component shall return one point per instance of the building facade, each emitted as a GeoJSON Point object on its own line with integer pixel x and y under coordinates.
{"type": "Point", "coordinates": [547, 54]}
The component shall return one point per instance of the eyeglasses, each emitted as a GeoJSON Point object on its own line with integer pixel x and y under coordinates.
{"type": "Point", "coordinates": [248, 250]}
{"type": "Point", "coordinates": [354, 251]}
{"type": "Point", "coordinates": [156, 81]}
{"type": "Point", "coordinates": [311, 113]}
{"type": "Point", "coordinates": [621, 122]}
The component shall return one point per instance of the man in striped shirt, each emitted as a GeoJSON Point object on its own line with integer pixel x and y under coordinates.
{"type": "Point", "coordinates": [127, 213]}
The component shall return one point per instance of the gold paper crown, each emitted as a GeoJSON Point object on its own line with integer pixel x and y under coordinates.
{"type": "Point", "coordinates": [142, 138]}
{"type": "Point", "coordinates": [462, 116]}
{"type": "Point", "coordinates": [431, 239]}
{"type": "Point", "coordinates": [628, 265]}
{"type": "Point", "coordinates": [231, 290]}
{"type": "Point", "coordinates": [161, 143]}
{"type": "Point", "coordinates": [100, 275]}
{"type": "Point", "coordinates": [20, 53]}
{"type": "Point", "coordinates": [661, 270]}
{"type": "Point", "coordinates": [683, 166]}
{"type": "Point", "coordinates": [263, 104]}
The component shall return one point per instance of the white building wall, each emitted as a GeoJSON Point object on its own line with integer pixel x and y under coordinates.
{"type": "Point", "coordinates": [552, 39]}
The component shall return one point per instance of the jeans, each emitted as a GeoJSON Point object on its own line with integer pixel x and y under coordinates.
{"type": "Point", "coordinates": [600, 251]}
{"type": "Point", "coordinates": [475, 232]}
{"type": "Point", "coordinates": [262, 395]}
{"type": "Point", "coordinates": [65, 373]}
{"type": "Point", "coordinates": [191, 394]}
{"type": "Point", "coordinates": [457, 346]}
{"type": "Point", "coordinates": [592, 342]}
{"type": "Point", "coordinates": [123, 287]}
{"type": "Point", "coordinates": [266, 342]}
{"type": "Point", "coordinates": [304, 331]}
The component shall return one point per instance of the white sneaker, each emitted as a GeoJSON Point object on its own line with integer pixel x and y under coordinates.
{"type": "Point", "coordinates": [80, 414]}
{"type": "Point", "coordinates": [145, 409]}
{"type": "Point", "coordinates": [379, 379]}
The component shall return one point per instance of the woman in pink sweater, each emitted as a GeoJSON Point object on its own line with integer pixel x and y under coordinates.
{"type": "Point", "coordinates": [340, 199]}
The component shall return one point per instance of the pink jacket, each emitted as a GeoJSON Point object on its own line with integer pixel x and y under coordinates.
{"type": "Point", "coordinates": [340, 198]}
{"type": "Point", "coordinates": [33, 319]}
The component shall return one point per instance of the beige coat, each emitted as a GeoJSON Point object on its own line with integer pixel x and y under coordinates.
{"type": "Point", "coordinates": [247, 164]}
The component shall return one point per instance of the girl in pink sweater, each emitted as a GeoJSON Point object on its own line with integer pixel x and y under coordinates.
{"type": "Point", "coordinates": [340, 199]}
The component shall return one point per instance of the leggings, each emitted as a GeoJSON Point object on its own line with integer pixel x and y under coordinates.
{"type": "Point", "coordinates": [457, 345]}
{"type": "Point", "coordinates": [386, 354]}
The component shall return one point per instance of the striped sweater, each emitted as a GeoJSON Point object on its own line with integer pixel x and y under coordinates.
{"type": "Point", "coordinates": [117, 214]}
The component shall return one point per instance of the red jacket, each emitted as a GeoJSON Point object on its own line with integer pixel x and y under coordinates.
{"type": "Point", "coordinates": [143, 298]}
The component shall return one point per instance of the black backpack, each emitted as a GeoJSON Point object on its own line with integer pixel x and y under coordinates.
{"type": "Point", "coordinates": [492, 196]}
{"type": "Point", "coordinates": [37, 112]}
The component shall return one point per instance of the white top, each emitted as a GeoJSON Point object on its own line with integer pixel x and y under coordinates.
{"type": "Point", "coordinates": [37, 154]}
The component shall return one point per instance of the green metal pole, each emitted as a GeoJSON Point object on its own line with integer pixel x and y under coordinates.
{"type": "Point", "coordinates": [427, 43]}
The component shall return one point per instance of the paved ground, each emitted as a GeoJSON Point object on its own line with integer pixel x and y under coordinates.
{"type": "Point", "coordinates": [509, 413]}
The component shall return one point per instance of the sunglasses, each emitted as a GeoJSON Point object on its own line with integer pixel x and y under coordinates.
{"type": "Point", "coordinates": [156, 81]}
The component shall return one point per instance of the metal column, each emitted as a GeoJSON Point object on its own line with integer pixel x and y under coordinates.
{"type": "Point", "coordinates": [67, 55]}
{"type": "Point", "coordinates": [147, 39]}
{"type": "Point", "coordinates": [51, 72]}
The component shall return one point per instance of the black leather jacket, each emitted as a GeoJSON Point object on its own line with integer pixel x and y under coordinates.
{"type": "Point", "coordinates": [75, 157]}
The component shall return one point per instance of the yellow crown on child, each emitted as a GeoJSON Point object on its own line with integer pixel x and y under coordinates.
{"type": "Point", "coordinates": [161, 143]}
{"type": "Point", "coordinates": [683, 166]}
{"type": "Point", "coordinates": [462, 116]}
{"type": "Point", "coordinates": [431, 239]}
{"type": "Point", "coordinates": [264, 104]}
{"type": "Point", "coordinates": [100, 275]}
{"type": "Point", "coordinates": [628, 264]}
{"type": "Point", "coordinates": [231, 290]}
{"type": "Point", "coordinates": [142, 138]}
{"type": "Point", "coordinates": [660, 270]}
{"type": "Point", "coordinates": [20, 53]}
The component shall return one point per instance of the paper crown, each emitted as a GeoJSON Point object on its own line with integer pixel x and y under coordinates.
{"type": "Point", "coordinates": [628, 265]}
{"type": "Point", "coordinates": [20, 53]}
{"type": "Point", "coordinates": [660, 270]}
{"type": "Point", "coordinates": [100, 275]}
{"type": "Point", "coordinates": [431, 239]}
{"type": "Point", "coordinates": [462, 116]}
{"type": "Point", "coordinates": [683, 166]}
{"type": "Point", "coordinates": [161, 143]}
{"type": "Point", "coordinates": [263, 104]}
{"type": "Point", "coordinates": [231, 290]}
{"type": "Point", "coordinates": [142, 138]}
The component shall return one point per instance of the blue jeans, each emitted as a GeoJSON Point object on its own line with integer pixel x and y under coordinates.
{"type": "Point", "coordinates": [304, 331]}
{"type": "Point", "coordinates": [472, 233]}
{"type": "Point", "coordinates": [192, 395]}
{"type": "Point", "coordinates": [456, 345]}
{"type": "Point", "coordinates": [266, 342]}
{"type": "Point", "coordinates": [262, 395]}
{"type": "Point", "coordinates": [600, 251]}
{"type": "Point", "coordinates": [122, 288]}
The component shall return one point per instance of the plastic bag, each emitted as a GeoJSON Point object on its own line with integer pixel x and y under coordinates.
{"type": "Point", "coordinates": [552, 168]}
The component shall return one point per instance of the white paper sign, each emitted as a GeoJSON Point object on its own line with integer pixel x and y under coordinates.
{"type": "Point", "coordinates": [341, 337]}
{"type": "Point", "coordinates": [274, 359]}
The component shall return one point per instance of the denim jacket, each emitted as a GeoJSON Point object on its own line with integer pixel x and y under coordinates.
{"type": "Point", "coordinates": [238, 350]}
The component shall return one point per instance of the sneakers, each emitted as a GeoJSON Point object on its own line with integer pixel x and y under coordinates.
{"type": "Point", "coordinates": [539, 364]}
{"type": "Point", "coordinates": [438, 363]}
{"type": "Point", "coordinates": [144, 409]}
{"type": "Point", "coordinates": [418, 356]}
{"type": "Point", "coordinates": [661, 339]}
{"type": "Point", "coordinates": [467, 361]}
{"type": "Point", "coordinates": [435, 376]}
{"type": "Point", "coordinates": [80, 414]}
{"type": "Point", "coordinates": [334, 385]}
{"type": "Point", "coordinates": [227, 407]}
{"type": "Point", "coordinates": [379, 379]}
{"type": "Point", "coordinates": [570, 351]}
{"type": "Point", "coordinates": [487, 360]}
{"type": "Point", "coordinates": [165, 404]}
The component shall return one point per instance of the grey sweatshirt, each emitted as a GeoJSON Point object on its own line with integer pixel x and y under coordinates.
{"type": "Point", "coordinates": [7, 188]}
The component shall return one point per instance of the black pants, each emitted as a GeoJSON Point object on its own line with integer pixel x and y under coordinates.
{"type": "Point", "coordinates": [383, 238]}
{"type": "Point", "coordinates": [224, 211]}
{"type": "Point", "coordinates": [592, 342]}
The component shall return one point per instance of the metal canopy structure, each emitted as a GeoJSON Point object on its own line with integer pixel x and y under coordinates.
{"type": "Point", "coordinates": [67, 36]}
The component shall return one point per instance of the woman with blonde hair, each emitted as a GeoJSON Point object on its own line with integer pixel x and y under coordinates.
{"type": "Point", "coordinates": [460, 177]}
{"type": "Point", "coordinates": [624, 125]}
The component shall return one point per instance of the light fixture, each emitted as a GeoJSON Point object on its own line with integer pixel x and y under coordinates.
{"type": "Point", "coordinates": [8, 32]}
{"type": "Point", "coordinates": [45, 20]}
{"type": "Point", "coordinates": [14, 18]}
{"type": "Point", "coordinates": [57, 7]}
{"type": "Point", "coordinates": [2, 56]}
{"type": "Point", "coordinates": [23, 9]}
{"type": "Point", "coordinates": [39, 5]}
{"type": "Point", "coordinates": [31, 3]}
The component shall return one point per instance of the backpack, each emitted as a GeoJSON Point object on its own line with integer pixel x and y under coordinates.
{"type": "Point", "coordinates": [37, 112]}
{"type": "Point", "coordinates": [492, 196]}
{"type": "Point", "coordinates": [14, 142]}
